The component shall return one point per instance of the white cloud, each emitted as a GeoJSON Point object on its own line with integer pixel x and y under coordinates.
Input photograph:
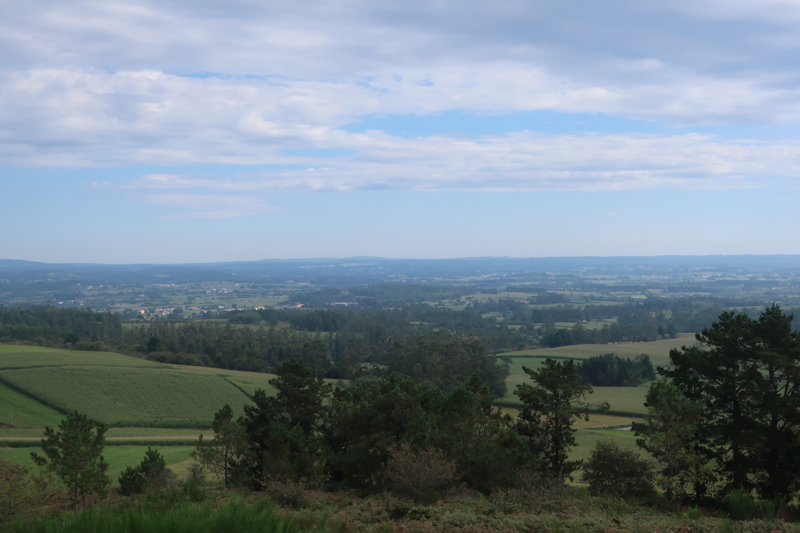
{"type": "Point", "coordinates": [88, 83]}
{"type": "Point", "coordinates": [207, 206]}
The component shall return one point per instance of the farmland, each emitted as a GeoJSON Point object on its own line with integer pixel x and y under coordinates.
{"type": "Point", "coordinates": [658, 351]}
{"type": "Point", "coordinates": [34, 356]}
{"type": "Point", "coordinates": [43, 383]}
{"type": "Point", "coordinates": [129, 397]}
{"type": "Point", "coordinates": [155, 402]}
{"type": "Point", "coordinates": [623, 400]}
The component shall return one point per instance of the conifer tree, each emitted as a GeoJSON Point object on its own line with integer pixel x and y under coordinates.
{"type": "Point", "coordinates": [74, 453]}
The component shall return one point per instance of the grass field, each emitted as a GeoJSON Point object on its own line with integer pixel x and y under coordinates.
{"type": "Point", "coordinates": [19, 433]}
{"type": "Point", "coordinates": [623, 400]}
{"type": "Point", "coordinates": [12, 356]}
{"type": "Point", "coordinates": [587, 438]}
{"type": "Point", "coordinates": [657, 350]}
{"type": "Point", "coordinates": [117, 457]}
{"type": "Point", "coordinates": [131, 396]}
{"type": "Point", "coordinates": [116, 389]}
{"type": "Point", "coordinates": [20, 410]}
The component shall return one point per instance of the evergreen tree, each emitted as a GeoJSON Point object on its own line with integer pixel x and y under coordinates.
{"type": "Point", "coordinates": [669, 434]}
{"type": "Point", "coordinates": [74, 453]}
{"type": "Point", "coordinates": [745, 376]}
{"type": "Point", "coordinates": [227, 454]}
{"type": "Point", "coordinates": [283, 431]}
{"type": "Point", "coordinates": [551, 405]}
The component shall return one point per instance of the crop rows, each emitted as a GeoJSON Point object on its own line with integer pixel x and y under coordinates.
{"type": "Point", "coordinates": [129, 396]}
{"type": "Point", "coordinates": [34, 356]}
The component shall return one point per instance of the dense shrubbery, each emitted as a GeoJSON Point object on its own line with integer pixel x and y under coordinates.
{"type": "Point", "coordinates": [612, 470]}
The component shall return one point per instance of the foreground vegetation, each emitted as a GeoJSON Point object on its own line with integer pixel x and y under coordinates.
{"type": "Point", "coordinates": [292, 508]}
{"type": "Point", "coordinates": [417, 443]}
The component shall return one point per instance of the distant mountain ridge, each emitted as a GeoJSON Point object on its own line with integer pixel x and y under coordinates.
{"type": "Point", "coordinates": [348, 270]}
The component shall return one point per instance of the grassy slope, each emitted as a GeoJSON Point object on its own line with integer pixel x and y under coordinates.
{"type": "Point", "coordinates": [657, 350]}
{"type": "Point", "coordinates": [130, 396]}
{"type": "Point", "coordinates": [12, 356]}
{"type": "Point", "coordinates": [118, 457]}
{"type": "Point", "coordinates": [117, 389]}
{"type": "Point", "coordinates": [24, 410]}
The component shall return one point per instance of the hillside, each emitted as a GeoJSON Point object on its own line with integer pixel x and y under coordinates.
{"type": "Point", "coordinates": [43, 383]}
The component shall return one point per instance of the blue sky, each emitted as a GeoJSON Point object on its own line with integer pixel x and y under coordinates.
{"type": "Point", "coordinates": [176, 131]}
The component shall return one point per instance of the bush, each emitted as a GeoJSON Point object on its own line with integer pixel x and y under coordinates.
{"type": "Point", "coordinates": [419, 475]}
{"type": "Point", "coordinates": [16, 490]}
{"type": "Point", "coordinates": [151, 474]}
{"type": "Point", "coordinates": [291, 494]}
{"type": "Point", "coordinates": [612, 470]}
{"type": "Point", "coordinates": [741, 505]}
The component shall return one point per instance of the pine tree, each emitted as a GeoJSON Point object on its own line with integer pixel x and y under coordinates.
{"type": "Point", "coordinates": [551, 405]}
{"type": "Point", "coordinates": [74, 453]}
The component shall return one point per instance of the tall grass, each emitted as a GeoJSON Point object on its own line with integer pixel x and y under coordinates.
{"type": "Point", "coordinates": [228, 518]}
{"type": "Point", "coordinates": [741, 505]}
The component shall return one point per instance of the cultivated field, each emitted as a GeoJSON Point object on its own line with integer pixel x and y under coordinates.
{"type": "Point", "coordinates": [38, 385]}
{"type": "Point", "coordinates": [158, 402]}
{"type": "Point", "coordinates": [12, 356]}
{"type": "Point", "coordinates": [21, 410]}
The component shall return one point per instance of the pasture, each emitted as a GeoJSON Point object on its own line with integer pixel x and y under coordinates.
{"type": "Point", "coordinates": [117, 457]}
{"type": "Point", "coordinates": [19, 410]}
{"type": "Point", "coordinates": [657, 350]}
{"type": "Point", "coordinates": [623, 400]}
{"type": "Point", "coordinates": [12, 356]}
{"type": "Point", "coordinates": [587, 438]}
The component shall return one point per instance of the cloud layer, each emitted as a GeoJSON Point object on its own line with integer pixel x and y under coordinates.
{"type": "Point", "coordinates": [90, 83]}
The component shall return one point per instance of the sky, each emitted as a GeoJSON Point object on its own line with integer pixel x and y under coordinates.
{"type": "Point", "coordinates": [177, 131]}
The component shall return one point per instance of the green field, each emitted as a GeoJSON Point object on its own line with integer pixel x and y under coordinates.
{"type": "Point", "coordinates": [623, 400]}
{"type": "Point", "coordinates": [586, 439]}
{"type": "Point", "coordinates": [20, 410]}
{"type": "Point", "coordinates": [20, 433]}
{"type": "Point", "coordinates": [12, 356]}
{"type": "Point", "coordinates": [657, 350]}
{"type": "Point", "coordinates": [38, 384]}
{"type": "Point", "coordinates": [117, 457]}
{"type": "Point", "coordinates": [129, 396]}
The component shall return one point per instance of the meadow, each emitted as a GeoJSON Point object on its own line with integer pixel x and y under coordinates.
{"type": "Point", "coordinates": [117, 457]}
{"type": "Point", "coordinates": [625, 401]}
{"type": "Point", "coordinates": [658, 351]}
{"type": "Point", "coordinates": [38, 385]}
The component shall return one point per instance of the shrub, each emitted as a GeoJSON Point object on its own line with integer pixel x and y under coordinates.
{"type": "Point", "coordinates": [17, 492]}
{"type": "Point", "coordinates": [613, 470]}
{"type": "Point", "coordinates": [418, 474]}
{"type": "Point", "coordinates": [151, 474]}
{"type": "Point", "coordinates": [741, 505]}
{"type": "Point", "coordinates": [291, 494]}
